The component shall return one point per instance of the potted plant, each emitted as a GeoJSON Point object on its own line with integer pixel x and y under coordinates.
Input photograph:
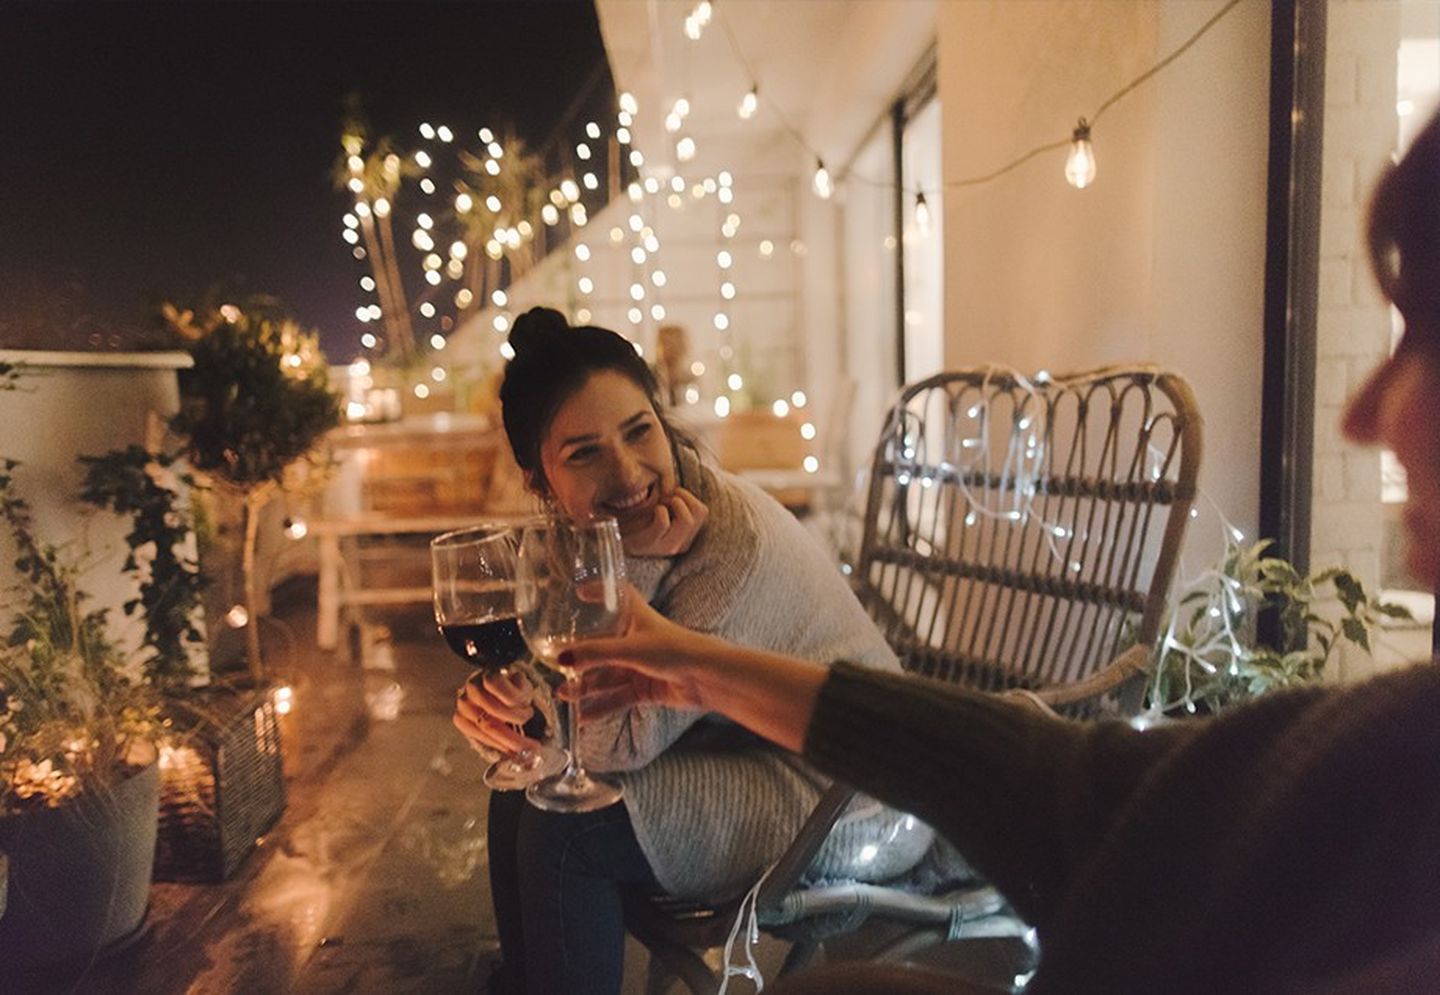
{"type": "Point", "coordinates": [222, 782]}
{"type": "Point", "coordinates": [255, 402]}
{"type": "Point", "coordinates": [1210, 657]}
{"type": "Point", "coordinates": [78, 772]}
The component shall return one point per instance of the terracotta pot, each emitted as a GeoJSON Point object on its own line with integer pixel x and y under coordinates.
{"type": "Point", "coordinates": [79, 874]}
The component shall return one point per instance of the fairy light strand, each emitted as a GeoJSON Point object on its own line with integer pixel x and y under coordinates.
{"type": "Point", "coordinates": [1007, 167]}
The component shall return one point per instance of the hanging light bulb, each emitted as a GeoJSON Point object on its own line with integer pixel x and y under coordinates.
{"type": "Point", "coordinates": [823, 187]}
{"type": "Point", "coordinates": [922, 214]}
{"type": "Point", "coordinates": [1080, 166]}
{"type": "Point", "coordinates": [749, 104]}
{"type": "Point", "coordinates": [685, 149]}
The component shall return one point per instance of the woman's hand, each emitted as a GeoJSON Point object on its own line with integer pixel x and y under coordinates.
{"type": "Point", "coordinates": [637, 668]}
{"type": "Point", "coordinates": [677, 521]}
{"type": "Point", "coordinates": [488, 707]}
{"type": "Point", "coordinates": [659, 662]}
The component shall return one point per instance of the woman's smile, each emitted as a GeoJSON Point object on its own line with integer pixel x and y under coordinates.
{"type": "Point", "coordinates": [630, 503]}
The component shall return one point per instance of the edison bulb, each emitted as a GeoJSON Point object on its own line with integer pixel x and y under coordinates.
{"type": "Point", "coordinates": [1080, 166]}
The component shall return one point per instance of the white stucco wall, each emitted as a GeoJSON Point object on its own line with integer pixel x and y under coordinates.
{"type": "Point", "coordinates": [1162, 258]}
{"type": "Point", "coordinates": [73, 404]}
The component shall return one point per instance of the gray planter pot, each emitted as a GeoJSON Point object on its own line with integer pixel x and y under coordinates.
{"type": "Point", "coordinates": [79, 875]}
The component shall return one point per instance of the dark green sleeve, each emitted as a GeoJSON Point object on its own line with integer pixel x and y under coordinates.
{"type": "Point", "coordinates": [1023, 796]}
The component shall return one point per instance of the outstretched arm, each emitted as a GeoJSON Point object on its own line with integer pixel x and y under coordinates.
{"type": "Point", "coordinates": [659, 662]}
{"type": "Point", "coordinates": [1025, 797]}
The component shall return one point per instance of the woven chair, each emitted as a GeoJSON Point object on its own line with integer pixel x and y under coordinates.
{"type": "Point", "coordinates": [1020, 535]}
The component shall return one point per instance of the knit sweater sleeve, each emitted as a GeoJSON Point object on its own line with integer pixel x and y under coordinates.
{"type": "Point", "coordinates": [1026, 798]}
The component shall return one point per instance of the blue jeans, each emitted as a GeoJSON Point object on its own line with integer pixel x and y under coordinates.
{"type": "Point", "coordinates": [555, 880]}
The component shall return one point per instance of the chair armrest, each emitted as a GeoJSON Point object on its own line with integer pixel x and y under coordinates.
{"type": "Point", "coordinates": [796, 859]}
{"type": "Point", "coordinates": [1119, 670]}
{"type": "Point", "coordinates": [1033, 700]}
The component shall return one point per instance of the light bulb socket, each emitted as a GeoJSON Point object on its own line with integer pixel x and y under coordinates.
{"type": "Point", "coordinates": [1082, 131]}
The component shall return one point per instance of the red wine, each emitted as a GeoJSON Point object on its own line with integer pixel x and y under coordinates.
{"type": "Point", "coordinates": [489, 644]}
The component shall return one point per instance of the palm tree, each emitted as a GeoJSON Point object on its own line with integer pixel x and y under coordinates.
{"type": "Point", "coordinates": [374, 177]}
{"type": "Point", "coordinates": [516, 180]}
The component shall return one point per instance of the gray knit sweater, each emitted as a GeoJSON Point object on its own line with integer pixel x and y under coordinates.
{"type": "Point", "coordinates": [711, 805]}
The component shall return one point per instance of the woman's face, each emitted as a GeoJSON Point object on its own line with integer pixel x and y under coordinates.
{"type": "Point", "coordinates": [1399, 407]}
{"type": "Point", "coordinates": [605, 453]}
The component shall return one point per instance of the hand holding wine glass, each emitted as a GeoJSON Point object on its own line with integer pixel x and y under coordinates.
{"type": "Point", "coordinates": [570, 586]}
{"type": "Point", "coordinates": [473, 572]}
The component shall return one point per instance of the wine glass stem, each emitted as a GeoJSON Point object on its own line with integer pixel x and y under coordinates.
{"type": "Point", "coordinates": [573, 769]}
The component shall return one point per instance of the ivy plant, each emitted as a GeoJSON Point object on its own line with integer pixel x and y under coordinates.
{"type": "Point", "coordinates": [1209, 656]}
{"type": "Point", "coordinates": [144, 486]}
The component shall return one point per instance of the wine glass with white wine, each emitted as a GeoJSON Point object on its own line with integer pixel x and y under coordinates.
{"type": "Point", "coordinates": [570, 586]}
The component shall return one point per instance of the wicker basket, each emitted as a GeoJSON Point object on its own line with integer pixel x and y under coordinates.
{"type": "Point", "coordinates": [222, 784]}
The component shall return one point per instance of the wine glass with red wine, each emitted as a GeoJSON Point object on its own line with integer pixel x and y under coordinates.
{"type": "Point", "coordinates": [473, 572]}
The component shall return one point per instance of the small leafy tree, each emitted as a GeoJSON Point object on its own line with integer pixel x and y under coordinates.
{"type": "Point", "coordinates": [256, 400]}
{"type": "Point", "coordinates": [1209, 656]}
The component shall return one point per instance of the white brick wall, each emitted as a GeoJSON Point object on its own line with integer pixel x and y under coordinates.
{"type": "Point", "coordinates": [1353, 324]}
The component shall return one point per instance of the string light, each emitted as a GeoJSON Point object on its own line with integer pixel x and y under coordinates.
{"type": "Point", "coordinates": [922, 214]}
{"type": "Point", "coordinates": [1080, 165]}
{"type": "Point", "coordinates": [749, 104]}
{"type": "Point", "coordinates": [822, 184]}
{"type": "Point", "coordinates": [1015, 163]}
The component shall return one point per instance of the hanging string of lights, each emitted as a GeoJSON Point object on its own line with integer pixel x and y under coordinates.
{"type": "Point", "coordinates": [1080, 165]}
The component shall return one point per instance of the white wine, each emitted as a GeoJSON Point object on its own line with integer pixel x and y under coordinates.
{"type": "Point", "coordinates": [547, 650]}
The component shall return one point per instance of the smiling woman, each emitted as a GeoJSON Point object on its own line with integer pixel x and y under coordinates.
{"type": "Point", "coordinates": [707, 805]}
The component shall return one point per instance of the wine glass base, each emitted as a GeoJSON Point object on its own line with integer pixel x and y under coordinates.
{"type": "Point", "coordinates": [515, 773]}
{"type": "Point", "coordinates": [573, 794]}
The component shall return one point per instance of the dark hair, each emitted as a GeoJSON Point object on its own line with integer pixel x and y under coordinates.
{"type": "Point", "coordinates": [1404, 229]}
{"type": "Point", "coordinates": [554, 359]}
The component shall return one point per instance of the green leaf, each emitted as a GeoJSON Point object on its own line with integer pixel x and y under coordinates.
{"type": "Point", "coordinates": [1352, 595]}
{"type": "Point", "coordinates": [1356, 631]}
{"type": "Point", "coordinates": [1392, 610]}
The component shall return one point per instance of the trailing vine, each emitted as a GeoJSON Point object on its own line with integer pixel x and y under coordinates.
{"type": "Point", "coordinates": [143, 485]}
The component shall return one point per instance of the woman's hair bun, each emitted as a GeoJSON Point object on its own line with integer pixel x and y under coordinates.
{"type": "Point", "coordinates": [537, 327]}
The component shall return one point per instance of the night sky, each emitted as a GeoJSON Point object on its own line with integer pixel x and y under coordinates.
{"type": "Point", "coordinates": [156, 151]}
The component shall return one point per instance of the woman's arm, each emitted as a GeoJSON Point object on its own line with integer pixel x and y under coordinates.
{"type": "Point", "coordinates": [1024, 796]}
{"type": "Point", "coordinates": [666, 664]}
